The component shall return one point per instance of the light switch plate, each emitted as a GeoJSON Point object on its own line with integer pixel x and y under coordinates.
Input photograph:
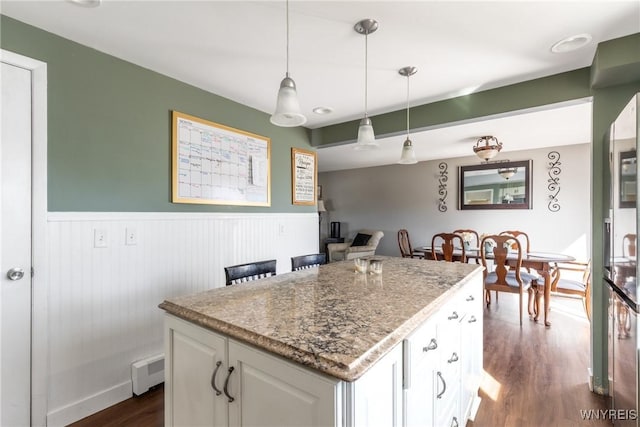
{"type": "Point", "coordinates": [99, 238]}
{"type": "Point", "coordinates": [131, 237]}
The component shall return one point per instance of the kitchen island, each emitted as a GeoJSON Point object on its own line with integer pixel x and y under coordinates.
{"type": "Point", "coordinates": [325, 346]}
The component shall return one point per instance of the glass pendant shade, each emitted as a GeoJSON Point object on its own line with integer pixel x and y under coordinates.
{"type": "Point", "coordinates": [408, 156]}
{"type": "Point", "coordinates": [288, 112]}
{"type": "Point", "coordinates": [366, 137]}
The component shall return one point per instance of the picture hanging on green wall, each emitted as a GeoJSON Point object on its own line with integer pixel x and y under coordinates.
{"type": "Point", "coordinates": [217, 164]}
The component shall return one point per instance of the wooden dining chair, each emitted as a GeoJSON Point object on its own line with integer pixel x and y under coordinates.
{"type": "Point", "coordinates": [506, 274]}
{"type": "Point", "coordinates": [522, 237]}
{"type": "Point", "coordinates": [564, 281]}
{"type": "Point", "coordinates": [307, 261]}
{"type": "Point", "coordinates": [475, 238]}
{"type": "Point", "coordinates": [242, 273]}
{"type": "Point", "coordinates": [443, 246]}
{"type": "Point", "coordinates": [404, 242]}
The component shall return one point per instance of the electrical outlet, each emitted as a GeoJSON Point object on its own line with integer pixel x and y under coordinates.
{"type": "Point", "coordinates": [131, 237]}
{"type": "Point", "coordinates": [99, 238]}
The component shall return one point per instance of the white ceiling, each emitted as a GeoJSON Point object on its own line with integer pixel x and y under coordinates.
{"type": "Point", "coordinates": [237, 49]}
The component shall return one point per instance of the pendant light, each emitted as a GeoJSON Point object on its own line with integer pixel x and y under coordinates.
{"type": "Point", "coordinates": [490, 148]}
{"type": "Point", "coordinates": [408, 156]}
{"type": "Point", "coordinates": [366, 137]}
{"type": "Point", "coordinates": [288, 112]}
{"type": "Point", "coordinates": [507, 172]}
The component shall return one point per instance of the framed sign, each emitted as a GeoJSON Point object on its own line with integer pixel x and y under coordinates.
{"type": "Point", "coordinates": [303, 177]}
{"type": "Point", "coordinates": [219, 165]}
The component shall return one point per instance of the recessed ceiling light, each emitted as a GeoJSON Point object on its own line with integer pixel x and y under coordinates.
{"type": "Point", "coordinates": [86, 3]}
{"type": "Point", "coordinates": [323, 110]}
{"type": "Point", "coordinates": [571, 43]}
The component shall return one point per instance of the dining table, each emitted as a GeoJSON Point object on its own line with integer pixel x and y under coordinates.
{"type": "Point", "coordinates": [541, 262]}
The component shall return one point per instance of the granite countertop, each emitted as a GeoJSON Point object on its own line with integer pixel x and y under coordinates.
{"type": "Point", "coordinates": [329, 318]}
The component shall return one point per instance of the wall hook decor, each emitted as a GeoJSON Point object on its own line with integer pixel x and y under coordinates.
{"type": "Point", "coordinates": [554, 181]}
{"type": "Point", "coordinates": [442, 187]}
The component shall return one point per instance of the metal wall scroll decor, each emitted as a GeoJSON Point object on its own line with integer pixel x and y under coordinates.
{"type": "Point", "coordinates": [554, 181]}
{"type": "Point", "coordinates": [442, 187]}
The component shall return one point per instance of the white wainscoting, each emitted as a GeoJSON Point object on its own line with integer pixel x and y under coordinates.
{"type": "Point", "coordinates": [103, 302]}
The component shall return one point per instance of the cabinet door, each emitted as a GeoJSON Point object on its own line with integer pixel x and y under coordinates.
{"type": "Point", "coordinates": [471, 349]}
{"type": "Point", "coordinates": [377, 395]}
{"type": "Point", "coordinates": [195, 362]}
{"type": "Point", "coordinates": [448, 375]}
{"type": "Point", "coordinates": [269, 391]}
{"type": "Point", "coordinates": [420, 363]}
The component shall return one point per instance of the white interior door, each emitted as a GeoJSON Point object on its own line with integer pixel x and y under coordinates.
{"type": "Point", "coordinates": [15, 248]}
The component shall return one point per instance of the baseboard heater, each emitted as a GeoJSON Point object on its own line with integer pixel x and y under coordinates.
{"type": "Point", "coordinates": [147, 373]}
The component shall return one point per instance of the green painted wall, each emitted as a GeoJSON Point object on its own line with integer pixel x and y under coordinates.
{"type": "Point", "coordinates": [109, 121]}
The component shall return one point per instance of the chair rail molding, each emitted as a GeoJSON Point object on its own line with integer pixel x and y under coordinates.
{"type": "Point", "coordinates": [554, 180]}
{"type": "Point", "coordinates": [442, 186]}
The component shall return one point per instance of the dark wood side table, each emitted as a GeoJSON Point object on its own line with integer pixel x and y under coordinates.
{"type": "Point", "coordinates": [331, 240]}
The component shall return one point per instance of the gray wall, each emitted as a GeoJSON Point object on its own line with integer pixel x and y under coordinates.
{"type": "Point", "coordinates": [398, 196]}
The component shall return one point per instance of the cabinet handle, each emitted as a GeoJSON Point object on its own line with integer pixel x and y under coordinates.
{"type": "Point", "coordinates": [470, 298]}
{"type": "Point", "coordinates": [454, 422]}
{"type": "Point", "coordinates": [454, 315]}
{"type": "Point", "coordinates": [433, 344]}
{"type": "Point", "coordinates": [226, 385]}
{"type": "Point", "coordinates": [444, 385]}
{"type": "Point", "coordinates": [454, 358]}
{"type": "Point", "coordinates": [213, 378]}
{"type": "Point", "coordinates": [473, 319]}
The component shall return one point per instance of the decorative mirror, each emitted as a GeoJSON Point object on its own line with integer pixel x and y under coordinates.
{"type": "Point", "coordinates": [495, 185]}
{"type": "Point", "coordinates": [627, 179]}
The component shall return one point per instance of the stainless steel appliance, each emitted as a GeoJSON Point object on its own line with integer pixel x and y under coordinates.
{"type": "Point", "coordinates": [622, 269]}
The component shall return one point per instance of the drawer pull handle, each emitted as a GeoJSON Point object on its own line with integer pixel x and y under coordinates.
{"type": "Point", "coordinates": [444, 385]}
{"type": "Point", "coordinates": [226, 385]}
{"type": "Point", "coordinates": [433, 344]}
{"type": "Point", "coordinates": [470, 298]}
{"type": "Point", "coordinates": [454, 315]}
{"type": "Point", "coordinates": [454, 422]}
{"type": "Point", "coordinates": [213, 379]}
{"type": "Point", "coordinates": [473, 319]}
{"type": "Point", "coordinates": [454, 358]}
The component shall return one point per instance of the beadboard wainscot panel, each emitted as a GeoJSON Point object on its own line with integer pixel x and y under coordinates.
{"type": "Point", "coordinates": [103, 301]}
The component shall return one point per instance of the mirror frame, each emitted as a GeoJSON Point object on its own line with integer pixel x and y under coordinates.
{"type": "Point", "coordinates": [528, 168]}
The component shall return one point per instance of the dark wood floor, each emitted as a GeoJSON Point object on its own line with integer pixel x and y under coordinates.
{"type": "Point", "coordinates": [534, 376]}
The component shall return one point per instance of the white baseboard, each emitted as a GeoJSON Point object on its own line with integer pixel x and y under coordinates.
{"type": "Point", "coordinates": [92, 404]}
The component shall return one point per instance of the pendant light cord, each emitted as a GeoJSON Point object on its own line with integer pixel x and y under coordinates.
{"type": "Point", "coordinates": [366, 61]}
{"type": "Point", "coordinates": [287, 38]}
{"type": "Point", "coordinates": [407, 106]}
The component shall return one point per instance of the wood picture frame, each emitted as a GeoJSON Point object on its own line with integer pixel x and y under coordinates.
{"type": "Point", "coordinates": [304, 177]}
{"type": "Point", "coordinates": [218, 165]}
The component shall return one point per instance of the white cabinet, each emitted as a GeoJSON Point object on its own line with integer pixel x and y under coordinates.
{"type": "Point", "coordinates": [443, 363]}
{"type": "Point", "coordinates": [215, 381]}
{"type": "Point", "coordinates": [269, 391]}
{"type": "Point", "coordinates": [376, 397]}
{"type": "Point", "coordinates": [471, 334]}
{"type": "Point", "coordinates": [431, 378]}
{"type": "Point", "coordinates": [197, 361]}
